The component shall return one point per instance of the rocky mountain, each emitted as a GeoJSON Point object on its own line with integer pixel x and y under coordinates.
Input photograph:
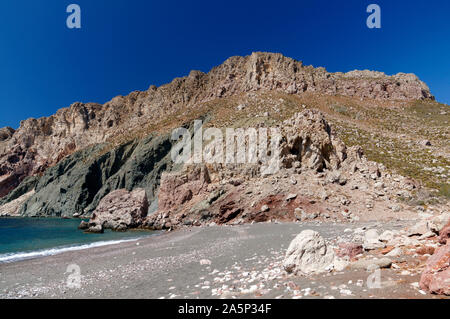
{"type": "Point", "coordinates": [64, 164]}
{"type": "Point", "coordinates": [41, 143]}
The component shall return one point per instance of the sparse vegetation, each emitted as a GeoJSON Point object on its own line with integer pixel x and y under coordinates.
{"type": "Point", "coordinates": [390, 132]}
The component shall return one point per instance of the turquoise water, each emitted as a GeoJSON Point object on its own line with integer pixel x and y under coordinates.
{"type": "Point", "coordinates": [23, 238]}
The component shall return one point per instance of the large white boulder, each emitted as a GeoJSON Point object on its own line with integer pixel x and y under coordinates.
{"type": "Point", "coordinates": [308, 254]}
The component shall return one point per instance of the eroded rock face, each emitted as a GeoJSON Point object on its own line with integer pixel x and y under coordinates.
{"type": "Point", "coordinates": [41, 143]}
{"type": "Point", "coordinates": [307, 140]}
{"type": "Point", "coordinates": [436, 276]}
{"type": "Point", "coordinates": [273, 71]}
{"type": "Point", "coordinates": [307, 148]}
{"type": "Point", "coordinates": [179, 187]}
{"type": "Point", "coordinates": [120, 210]}
{"type": "Point", "coordinates": [306, 143]}
{"type": "Point", "coordinates": [308, 253]}
{"type": "Point", "coordinates": [178, 190]}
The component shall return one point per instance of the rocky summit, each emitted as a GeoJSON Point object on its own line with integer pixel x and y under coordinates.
{"type": "Point", "coordinates": [353, 147]}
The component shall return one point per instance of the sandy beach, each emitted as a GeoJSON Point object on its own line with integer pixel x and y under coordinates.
{"type": "Point", "coordinates": [201, 262]}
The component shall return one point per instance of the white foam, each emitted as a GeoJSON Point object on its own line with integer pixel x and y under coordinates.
{"type": "Point", "coordinates": [12, 257]}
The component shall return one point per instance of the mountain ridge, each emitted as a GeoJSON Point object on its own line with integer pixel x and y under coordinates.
{"type": "Point", "coordinates": [41, 143]}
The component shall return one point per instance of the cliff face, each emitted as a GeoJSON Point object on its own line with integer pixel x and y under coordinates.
{"type": "Point", "coordinates": [41, 143]}
{"type": "Point", "coordinates": [76, 184]}
{"type": "Point", "coordinates": [50, 146]}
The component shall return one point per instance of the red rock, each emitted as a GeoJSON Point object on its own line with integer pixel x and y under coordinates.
{"type": "Point", "coordinates": [444, 234]}
{"type": "Point", "coordinates": [425, 250]}
{"type": "Point", "coordinates": [8, 183]}
{"type": "Point", "coordinates": [349, 249]}
{"type": "Point", "coordinates": [436, 276]}
{"type": "Point", "coordinates": [179, 187]}
{"type": "Point", "coordinates": [228, 212]}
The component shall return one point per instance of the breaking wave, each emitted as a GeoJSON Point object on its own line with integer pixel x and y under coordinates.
{"type": "Point", "coordinates": [17, 256]}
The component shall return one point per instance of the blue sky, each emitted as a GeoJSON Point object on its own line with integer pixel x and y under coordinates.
{"type": "Point", "coordinates": [128, 45]}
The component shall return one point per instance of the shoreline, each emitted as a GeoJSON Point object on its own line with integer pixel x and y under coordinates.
{"type": "Point", "coordinates": [7, 258]}
{"type": "Point", "coordinates": [71, 239]}
{"type": "Point", "coordinates": [204, 262]}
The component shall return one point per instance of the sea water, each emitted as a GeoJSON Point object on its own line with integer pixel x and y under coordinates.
{"type": "Point", "coordinates": [25, 238]}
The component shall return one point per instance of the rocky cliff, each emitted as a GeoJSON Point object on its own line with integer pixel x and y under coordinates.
{"type": "Point", "coordinates": [41, 143]}
{"type": "Point", "coordinates": [66, 163]}
{"type": "Point", "coordinates": [76, 184]}
{"type": "Point", "coordinates": [316, 170]}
